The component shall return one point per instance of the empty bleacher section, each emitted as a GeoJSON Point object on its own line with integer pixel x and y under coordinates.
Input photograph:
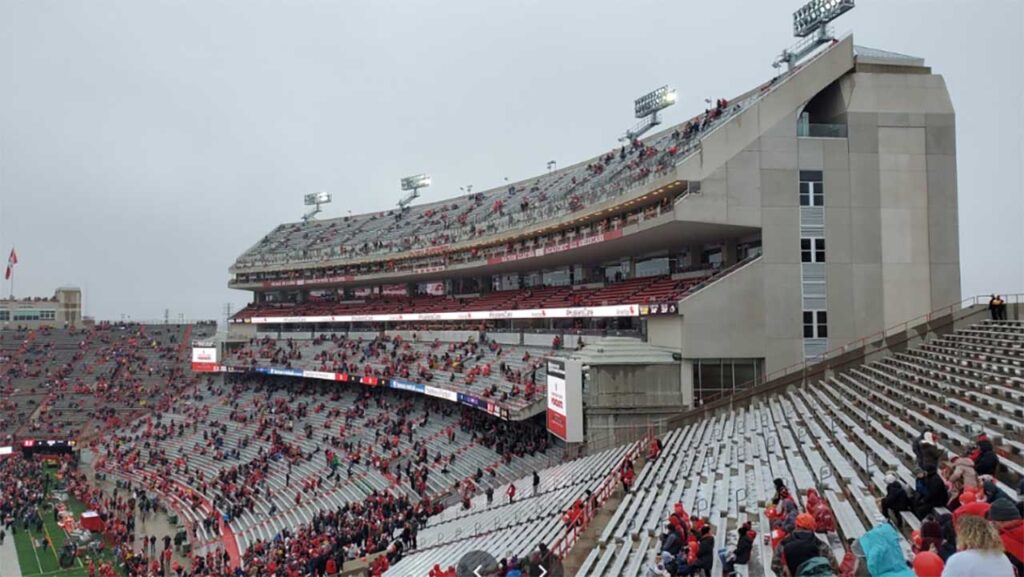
{"type": "Point", "coordinates": [515, 529]}
{"type": "Point", "coordinates": [839, 436]}
{"type": "Point", "coordinates": [61, 383]}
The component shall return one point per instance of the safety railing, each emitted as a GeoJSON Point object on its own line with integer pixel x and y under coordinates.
{"type": "Point", "coordinates": [878, 343]}
{"type": "Point", "coordinates": [822, 130]}
{"type": "Point", "coordinates": [564, 543]}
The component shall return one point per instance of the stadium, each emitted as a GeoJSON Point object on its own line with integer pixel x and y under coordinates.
{"type": "Point", "coordinates": [731, 345]}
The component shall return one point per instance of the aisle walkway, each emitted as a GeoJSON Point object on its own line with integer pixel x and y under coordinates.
{"type": "Point", "coordinates": [9, 566]}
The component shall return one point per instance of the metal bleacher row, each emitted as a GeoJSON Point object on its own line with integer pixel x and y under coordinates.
{"type": "Point", "coordinates": [279, 510]}
{"type": "Point", "coordinates": [511, 529]}
{"type": "Point", "coordinates": [839, 436]}
{"type": "Point", "coordinates": [264, 351]}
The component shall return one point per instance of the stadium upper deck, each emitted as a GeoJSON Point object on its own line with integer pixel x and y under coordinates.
{"type": "Point", "coordinates": [582, 205]}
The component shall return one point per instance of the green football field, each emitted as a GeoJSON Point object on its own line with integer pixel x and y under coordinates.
{"type": "Point", "coordinates": [42, 561]}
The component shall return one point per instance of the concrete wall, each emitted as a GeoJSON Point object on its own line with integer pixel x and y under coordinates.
{"type": "Point", "coordinates": [890, 212]}
{"type": "Point", "coordinates": [622, 402]}
{"type": "Point", "coordinates": [902, 157]}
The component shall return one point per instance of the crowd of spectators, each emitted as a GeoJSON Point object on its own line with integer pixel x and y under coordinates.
{"type": "Point", "coordinates": [477, 215]}
{"type": "Point", "coordinates": [383, 525]}
{"type": "Point", "coordinates": [67, 382]}
{"type": "Point", "coordinates": [476, 361]}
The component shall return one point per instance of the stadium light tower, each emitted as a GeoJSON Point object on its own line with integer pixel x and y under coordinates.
{"type": "Point", "coordinates": [810, 24]}
{"type": "Point", "coordinates": [315, 200]}
{"type": "Point", "coordinates": [412, 185]}
{"type": "Point", "coordinates": [646, 108]}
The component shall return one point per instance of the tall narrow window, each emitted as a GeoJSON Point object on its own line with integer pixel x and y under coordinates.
{"type": "Point", "coordinates": [815, 324]}
{"type": "Point", "coordinates": [812, 191]}
{"type": "Point", "coordinates": [812, 250]}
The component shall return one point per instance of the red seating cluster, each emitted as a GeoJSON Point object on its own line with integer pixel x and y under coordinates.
{"type": "Point", "coordinates": [638, 290]}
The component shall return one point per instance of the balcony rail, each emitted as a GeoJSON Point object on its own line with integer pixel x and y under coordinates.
{"type": "Point", "coordinates": [821, 130]}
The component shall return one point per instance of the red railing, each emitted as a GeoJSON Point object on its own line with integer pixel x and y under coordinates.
{"type": "Point", "coordinates": [565, 543]}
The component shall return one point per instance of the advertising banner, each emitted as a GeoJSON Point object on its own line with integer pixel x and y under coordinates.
{"type": "Point", "coordinates": [441, 393]}
{"type": "Point", "coordinates": [565, 400]}
{"type": "Point", "coordinates": [394, 290]}
{"type": "Point", "coordinates": [405, 386]}
{"type": "Point", "coordinates": [323, 376]}
{"type": "Point", "coordinates": [608, 311]}
{"type": "Point", "coordinates": [555, 248]}
{"type": "Point", "coordinates": [204, 359]}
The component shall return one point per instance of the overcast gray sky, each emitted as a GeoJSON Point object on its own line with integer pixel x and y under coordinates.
{"type": "Point", "coordinates": [146, 144]}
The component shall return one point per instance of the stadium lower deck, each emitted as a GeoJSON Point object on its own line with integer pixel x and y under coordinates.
{"type": "Point", "coordinates": [357, 471]}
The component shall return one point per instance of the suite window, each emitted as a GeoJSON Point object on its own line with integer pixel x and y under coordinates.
{"type": "Point", "coordinates": [812, 250]}
{"type": "Point", "coordinates": [815, 325]}
{"type": "Point", "coordinates": [812, 191]}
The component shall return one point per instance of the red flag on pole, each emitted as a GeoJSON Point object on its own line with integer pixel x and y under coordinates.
{"type": "Point", "coordinates": [11, 261]}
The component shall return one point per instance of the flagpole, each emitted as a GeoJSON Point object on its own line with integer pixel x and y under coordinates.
{"type": "Point", "coordinates": [10, 267]}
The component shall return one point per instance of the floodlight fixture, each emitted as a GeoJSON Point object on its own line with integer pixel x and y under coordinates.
{"type": "Point", "coordinates": [816, 14]}
{"type": "Point", "coordinates": [412, 185]}
{"type": "Point", "coordinates": [416, 182]}
{"type": "Point", "coordinates": [318, 198]}
{"type": "Point", "coordinates": [654, 101]}
{"type": "Point", "coordinates": [315, 199]}
{"type": "Point", "coordinates": [646, 108]}
{"type": "Point", "coordinates": [811, 25]}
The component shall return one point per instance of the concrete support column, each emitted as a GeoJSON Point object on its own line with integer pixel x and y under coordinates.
{"type": "Point", "coordinates": [686, 382]}
{"type": "Point", "coordinates": [729, 252]}
{"type": "Point", "coordinates": [694, 252]}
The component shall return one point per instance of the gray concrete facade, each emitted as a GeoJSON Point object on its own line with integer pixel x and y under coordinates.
{"type": "Point", "coordinates": [890, 210]}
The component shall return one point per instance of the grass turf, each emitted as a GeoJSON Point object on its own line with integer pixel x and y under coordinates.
{"type": "Point", "coordinates": [43, 561]}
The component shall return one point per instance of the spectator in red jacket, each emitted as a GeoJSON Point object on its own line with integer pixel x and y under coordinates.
{"type": "Point", "coordinates": [1007, 520]}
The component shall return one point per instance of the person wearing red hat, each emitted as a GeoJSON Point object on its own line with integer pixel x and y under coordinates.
{"type": "Point", "coordinates": [802, 547]}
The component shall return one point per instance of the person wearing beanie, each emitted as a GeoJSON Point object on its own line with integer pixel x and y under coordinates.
{"type": "Point", "coordinates": [1007, 520]}
{"type": "Point", "coordinates": [741, 554]}
{"type": "Point", "coordinates": [800, 547]}
{"type": "Point", "coordinates": [992, 491]}
{"type": "Point", "coordinates": [896, 500]}
{"type": "Point", "coordinates": [926, 449]}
